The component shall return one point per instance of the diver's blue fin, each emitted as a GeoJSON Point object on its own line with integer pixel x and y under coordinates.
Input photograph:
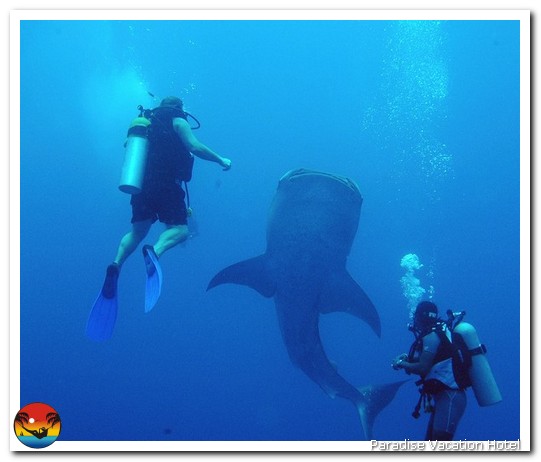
{"type": "Point", "coordinates": [101, 321]}
{"type": "Point", "coordinates": [154, 277]}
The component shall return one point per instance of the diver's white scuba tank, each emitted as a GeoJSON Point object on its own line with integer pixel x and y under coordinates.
{"type": "Point", "coordinates": [484, 386]}
{"type": "Point", "coordinates": [135, 158]}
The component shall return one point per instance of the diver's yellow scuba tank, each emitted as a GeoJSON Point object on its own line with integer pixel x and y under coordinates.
{"type": "Point", "coordinates": [484, 386]}
{"type": "Point", "coordinates": [135, 157]}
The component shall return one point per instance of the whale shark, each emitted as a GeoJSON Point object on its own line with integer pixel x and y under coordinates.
{"type": "Point", "coordinates": [312, 223]}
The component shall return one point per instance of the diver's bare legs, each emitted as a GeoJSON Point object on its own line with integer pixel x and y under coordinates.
{"type": "Point", "coordinates": [131, 240]}
{"type": "Point", "coordinates": [172, 236]}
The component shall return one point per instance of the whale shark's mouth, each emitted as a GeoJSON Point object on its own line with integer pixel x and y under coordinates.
{"type": "Point", "coordinates": [303, 172]}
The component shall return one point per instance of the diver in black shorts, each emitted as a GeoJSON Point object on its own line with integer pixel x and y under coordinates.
{"type": "Point", "coordinates": [171, 147]}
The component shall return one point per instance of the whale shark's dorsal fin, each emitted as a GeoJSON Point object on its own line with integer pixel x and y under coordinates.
{"type": "Point", "coordinates": [253, 273]}
{"type": "Point", "coordinates": [341, 293]}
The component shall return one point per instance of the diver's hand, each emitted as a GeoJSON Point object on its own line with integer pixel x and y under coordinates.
{"type": "Point", "coordinates": [225, 163]}
{"type": "Point", "coordinates": [397, 362]}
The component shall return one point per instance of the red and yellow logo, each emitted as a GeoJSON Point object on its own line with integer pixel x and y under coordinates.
{"type": "Point", "coordinates": [37, 425]}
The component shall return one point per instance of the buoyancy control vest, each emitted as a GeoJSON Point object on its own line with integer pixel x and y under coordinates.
{"type": "Point", "coordinates": [442, 374]}
{"type": "Point", "coordinates": [168, 158]}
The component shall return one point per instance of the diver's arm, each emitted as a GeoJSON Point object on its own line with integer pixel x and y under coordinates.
{"type": "Point", "coordinates": [195, 146]}
{"type": "Point", "coordinates": [423, 366]}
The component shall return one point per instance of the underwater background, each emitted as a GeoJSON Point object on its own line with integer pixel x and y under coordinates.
{"type": "Point", "coordinates": [422, 115]}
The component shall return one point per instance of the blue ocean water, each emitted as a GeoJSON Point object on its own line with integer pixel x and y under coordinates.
{"type": "Point", "coordinates": [33, 442]}
{"type": "Point", "coordinates": [423, 115]}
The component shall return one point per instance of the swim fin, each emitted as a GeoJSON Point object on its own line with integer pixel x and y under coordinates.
{"type": "Point", "coordinates": [101, 321]}
{"type": "Point", "coordinates": [154, 277]}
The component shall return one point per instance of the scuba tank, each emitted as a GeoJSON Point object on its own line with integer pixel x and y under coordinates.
{"type": "Point", "coordinates": [135, 157]}
{"type": "Point", "coordinates": [483, 383]}
{"type": "Point", "coordinates": [469, 362]}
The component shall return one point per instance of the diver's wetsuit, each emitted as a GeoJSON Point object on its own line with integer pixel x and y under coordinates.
{"type": "Point", "coordinates": [440, 383]}
{"type": "Point", "coordinates": [449, 406]}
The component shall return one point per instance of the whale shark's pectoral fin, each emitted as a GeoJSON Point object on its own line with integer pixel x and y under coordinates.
{"type": "Point", "coordinates": [253, 273]}
{"type": "Point", "coordinates": [342, 293]}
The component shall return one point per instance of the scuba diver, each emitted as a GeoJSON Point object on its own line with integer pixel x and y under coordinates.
{"type": "Point", "coordinates": [430, 357]}
{"type": "Point", "coordinates": [158, 161]}
{"type": "Point", "coordinates": [449, 358]}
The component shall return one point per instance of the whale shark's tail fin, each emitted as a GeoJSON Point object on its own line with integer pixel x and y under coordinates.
{"type": "Point", "coordinates": [253, 273]}
{"type": "Point", "coordinates": [374, 398]}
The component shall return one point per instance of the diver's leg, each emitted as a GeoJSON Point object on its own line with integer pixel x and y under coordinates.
{"type": "Point", "coordinates": [172, 212]}
{"type": "Point", "coordinates": [449, 408]}
{"type": "Point", "coordinates": [172, 236]}
{"type": "Point", "coordinates": [131, 240]}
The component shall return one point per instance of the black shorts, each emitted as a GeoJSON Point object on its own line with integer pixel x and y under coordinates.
{"type": "Point", "coordinates": [164, 203]}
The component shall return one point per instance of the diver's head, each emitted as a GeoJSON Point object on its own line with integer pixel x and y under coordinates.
{"type": "Point", "coordinates": [425, 317]}
{"type": "Point", "coordinates": [172, 102]}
